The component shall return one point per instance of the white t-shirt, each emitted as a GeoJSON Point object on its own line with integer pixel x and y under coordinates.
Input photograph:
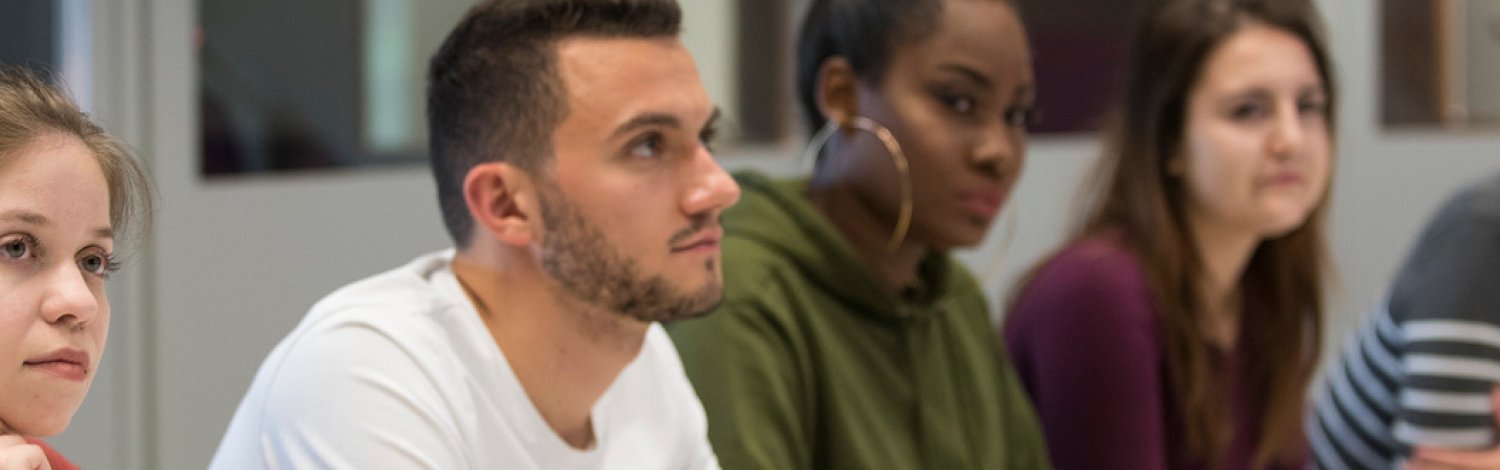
{"type": "Point", "coordinates": [398, 371]}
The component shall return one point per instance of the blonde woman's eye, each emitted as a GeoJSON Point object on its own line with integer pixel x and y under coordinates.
{"type": "Point", "coordinates": [101, 265]}
{"type": "Point", "coordinates": [92, 263]}
{"type": "Point", "coordinates": [16, 249]}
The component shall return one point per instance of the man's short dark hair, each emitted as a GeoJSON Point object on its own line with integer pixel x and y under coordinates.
{"type": "Point", "coordinates": [494, 92]}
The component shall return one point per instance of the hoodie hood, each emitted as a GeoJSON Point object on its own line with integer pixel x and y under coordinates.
{"type": "Point", "coordinates": [777, 216]}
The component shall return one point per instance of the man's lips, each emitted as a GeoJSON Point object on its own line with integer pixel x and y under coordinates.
{"type": "Point", "coordinates": [66, 363]}
{"type": "Point", "coordinates": [705, 240]}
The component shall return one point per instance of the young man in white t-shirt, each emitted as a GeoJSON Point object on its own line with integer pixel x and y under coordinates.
{"type": "Point", "coordinates": [568, 142]}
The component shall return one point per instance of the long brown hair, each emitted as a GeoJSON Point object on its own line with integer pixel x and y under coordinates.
{"type": "Point", "coordinates": [1285, 275]}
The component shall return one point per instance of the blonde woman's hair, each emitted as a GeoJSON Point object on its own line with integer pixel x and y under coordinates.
{"type": "Point", "coordinates": [32, 107]}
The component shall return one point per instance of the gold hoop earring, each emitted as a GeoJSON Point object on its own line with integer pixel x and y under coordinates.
{"type": "Point", "coordinates": [893, 148]}
{"type": "Point", "coordinates": [815, 144]}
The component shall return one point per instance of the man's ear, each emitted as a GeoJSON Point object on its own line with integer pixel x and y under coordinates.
{"type": "Point", "coordinates": [837, 90]}
{"type": "Point", "coordinates": [502, 200]}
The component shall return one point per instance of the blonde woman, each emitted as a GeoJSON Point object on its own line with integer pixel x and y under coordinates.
{"type": "Point", "coordinates": [68, 190]}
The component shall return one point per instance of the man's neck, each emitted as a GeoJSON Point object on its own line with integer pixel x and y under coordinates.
{"type": "Point", "coordinates": [565, 354]}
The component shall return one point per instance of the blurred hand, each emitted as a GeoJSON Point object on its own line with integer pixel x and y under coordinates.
{"type": "Point", "coordinates": [17, 454]}
{"type": "Point", "coordinates": [1433, 458]}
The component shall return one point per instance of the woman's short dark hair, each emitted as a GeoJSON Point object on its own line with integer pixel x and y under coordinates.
{"type": "Point", "coordinates": [493, 88]}
{"type": "Point", "coordinates": [864, 32]}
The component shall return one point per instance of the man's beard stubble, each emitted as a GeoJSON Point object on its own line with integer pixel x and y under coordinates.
{"type": "Point", "coordinates": [579, 256]}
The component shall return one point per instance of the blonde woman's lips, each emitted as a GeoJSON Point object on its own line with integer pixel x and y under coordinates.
{"type": "Point", "coordinates": [65, 363]}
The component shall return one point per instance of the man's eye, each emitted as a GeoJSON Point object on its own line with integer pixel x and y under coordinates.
{"type": "Point", "coordinates": [647, 147]}
{"type": "Point", "coordinates": [708, 137]}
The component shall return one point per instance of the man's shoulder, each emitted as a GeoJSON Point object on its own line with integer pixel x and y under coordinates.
{"type": "Point", "coordinates": [410, 287]}
{"type": "Point", "coordinates": [401, 313]}
{"type": "Point", "coordinates": [375, 344]}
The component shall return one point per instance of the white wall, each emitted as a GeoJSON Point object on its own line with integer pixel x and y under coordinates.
{"type": "Point", "coordinates": [224, 285]}
{"type": "Point", "coordinates": [1482, 57]}
{"type": "Point", "coordinates": [708, 31]}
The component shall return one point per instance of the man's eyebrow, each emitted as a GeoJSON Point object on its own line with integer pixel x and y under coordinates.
{"type": "Point", "coordinates": [713, 118]}
{"type": "Point", "coordinates": [647, 120]}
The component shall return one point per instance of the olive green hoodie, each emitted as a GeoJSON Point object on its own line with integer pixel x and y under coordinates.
{"type": "Point", "coordinates": [809, 363]}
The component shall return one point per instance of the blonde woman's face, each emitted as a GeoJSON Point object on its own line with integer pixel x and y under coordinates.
{"type": "Point", "coordinates": [55, 245]}
{"type": "Point", "coordinates": [1256, 152]}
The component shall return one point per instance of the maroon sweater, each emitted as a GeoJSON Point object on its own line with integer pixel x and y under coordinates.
{"type": "Point", "coordinates": [1086, 341]}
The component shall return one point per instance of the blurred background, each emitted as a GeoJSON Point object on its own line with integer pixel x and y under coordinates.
{"type": "Point", "coordinates": [287, 140]}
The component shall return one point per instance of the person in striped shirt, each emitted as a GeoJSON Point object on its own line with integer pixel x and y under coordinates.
{"type": "Point", "coordinates": [1421, 372]}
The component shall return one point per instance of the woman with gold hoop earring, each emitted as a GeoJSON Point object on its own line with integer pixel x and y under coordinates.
{"type": "Point", "coordinates": [848, 337]}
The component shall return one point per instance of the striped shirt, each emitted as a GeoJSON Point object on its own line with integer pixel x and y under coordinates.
{"type": "Point", "coordinates": [1420, 371]}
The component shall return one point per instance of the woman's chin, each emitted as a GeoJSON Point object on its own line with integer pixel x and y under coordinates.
{"type": "Point", "coordinates": [48, 427]}
{"type": "Point", "coordinates": [958, 239]}
{"type": "Point", "coordinates": [1282, 226]}
{"type": "Point", "coordinates": [41, 419]}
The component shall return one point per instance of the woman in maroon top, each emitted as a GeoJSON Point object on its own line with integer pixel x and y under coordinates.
{"type": "Point", "coordinates": [1180, 326]}
{"type": "Point", "coordinates": [67, 192]}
